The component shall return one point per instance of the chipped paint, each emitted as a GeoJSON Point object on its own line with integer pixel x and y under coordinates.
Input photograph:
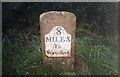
{"type": "Point", "coordinates": [64, 23]}
{"type": "Point", "coordinates": [58, 43]}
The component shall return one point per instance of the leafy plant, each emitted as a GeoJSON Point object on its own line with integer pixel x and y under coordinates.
{"type": "Point", "coordinates": [24, 57]}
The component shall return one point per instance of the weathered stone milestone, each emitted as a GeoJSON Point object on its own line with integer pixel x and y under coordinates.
{"type": "Point", "coordinates": [58, 39]}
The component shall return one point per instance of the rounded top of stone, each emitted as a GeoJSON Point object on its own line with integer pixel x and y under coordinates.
{"type": "Point", "coordinates": [64, 13]}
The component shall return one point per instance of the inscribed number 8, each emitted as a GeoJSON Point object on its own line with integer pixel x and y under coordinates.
{"type": "Point", "coordinates": [58, 31]}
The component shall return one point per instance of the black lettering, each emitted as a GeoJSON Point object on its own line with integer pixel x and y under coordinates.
{"type": "Point", "coordinates": [53, 39]}
{"type": "Point", "coordinates": [58, 40]}
{"type": "Point", "coordinates": [57, 46]}
{"type": "Point", "coordinates": [48, 51]}
{"type": "Point", "coordinates": [53, 53]}
{"type": "Point", "coordinates": [62, 39]}
{"type": "Point", "coordinates": [58, 31]}
{"type": "Point", "coordinates": [48, 39]}
{"type": "Point", "coordinates": [68, 39]}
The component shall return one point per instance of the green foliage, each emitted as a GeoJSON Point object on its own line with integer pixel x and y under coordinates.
{"type": "Point", "coordinates": [24, 57]}
{"type": "Point", "coordinates": [79, 30]}
{"type": "Point", "coordinates": [18, 60]}
{"type": "Point", "coordinates": [21, 52]}
{"type": "Point", "coordinates": [99, 53]}
{"type": "Point", "coordinates": [68, 73]}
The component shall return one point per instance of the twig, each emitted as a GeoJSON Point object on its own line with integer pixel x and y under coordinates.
{"type": "Point", "coordinates": [112, 69]}
{"type": "Point", "coordinates": [33, 67]}
{"type": "Point", "coordinates": [85, 8]}
{"type": "Point", "coordinates": [90, 33]}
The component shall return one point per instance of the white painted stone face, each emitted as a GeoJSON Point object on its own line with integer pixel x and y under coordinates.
{"type": "Point", "coordinates": [58, 43]}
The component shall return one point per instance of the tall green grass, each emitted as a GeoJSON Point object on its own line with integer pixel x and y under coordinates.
{"type": "Point", "coordinates": [24, 57]}
{"type": "Point", "coordinates": [102, 59]}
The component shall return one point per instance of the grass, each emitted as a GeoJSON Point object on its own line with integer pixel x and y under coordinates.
{"type": "Point", "coordinates": [24, 57]}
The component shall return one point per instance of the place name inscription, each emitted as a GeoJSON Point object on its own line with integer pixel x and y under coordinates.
{"type": "Point", "coordinates": [58, 43]}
